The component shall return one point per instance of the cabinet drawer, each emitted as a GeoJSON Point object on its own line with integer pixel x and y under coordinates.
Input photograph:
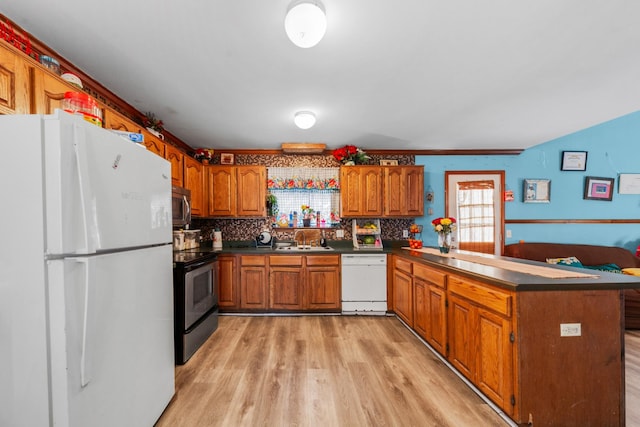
{"type": "Point", "coordinates": [253, 260]}
{"type": "Point", "coordinates": [481, 294]}
{"type": "Point", "coordinates": [430, 275]}
{"type": "Point", "coordinates": [295, 260]}
{"type": "Point", "coordinates": [323, 259]}
{"type": "Point", "coordinates": [403, 264]}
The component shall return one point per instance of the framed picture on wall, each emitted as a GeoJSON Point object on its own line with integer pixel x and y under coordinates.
{"type": "Point", "coordinates": [226, 158]}
{"type": "Point", "coordinates": [596, 188]}
{"type": "Point", "coordinates": [574, 161]}
{"type": "Point", "coordinates": [536, 191]}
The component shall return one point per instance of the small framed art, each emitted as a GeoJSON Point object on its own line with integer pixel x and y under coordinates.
{"type": "Point", "coordinates": [226, 158]}
{"type": "Point", "coordinates": [596, 188]}
{"type": "Point", "coordinates": [536, 191]}
{"type": "Point", "coordinates": [574, 161]}
{"type": "Point", "coordinates": [388, 162]}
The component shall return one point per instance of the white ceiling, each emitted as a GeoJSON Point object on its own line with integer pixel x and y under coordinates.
{"type": "Point", "coordinates": [401, 74]}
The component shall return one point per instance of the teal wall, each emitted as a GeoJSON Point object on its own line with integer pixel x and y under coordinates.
{"type": "Point", "coordinates": [613, 147]}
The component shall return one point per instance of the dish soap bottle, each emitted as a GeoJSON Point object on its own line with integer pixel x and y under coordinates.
{"type": "Point", "coordinates": [323, 240]}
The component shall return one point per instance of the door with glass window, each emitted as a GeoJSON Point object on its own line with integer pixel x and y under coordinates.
{"type": "Point", "coordinates": [475, 199]}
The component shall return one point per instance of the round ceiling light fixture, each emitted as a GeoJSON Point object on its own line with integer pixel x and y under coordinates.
{"type": "Point", "coordinates": [304, 119]}
{"type": "Point", "coordinates": [305, 23]}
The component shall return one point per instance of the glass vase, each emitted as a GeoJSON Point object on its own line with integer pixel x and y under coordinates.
{"type": "Point", "coordinates": [444, 242]}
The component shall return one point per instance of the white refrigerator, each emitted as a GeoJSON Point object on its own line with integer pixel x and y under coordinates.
{"type": "Point", "coordinates": [86, 292]}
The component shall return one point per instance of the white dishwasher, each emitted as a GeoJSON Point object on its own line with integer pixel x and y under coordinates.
{"type": "Point", "coordinates": [364, 284]}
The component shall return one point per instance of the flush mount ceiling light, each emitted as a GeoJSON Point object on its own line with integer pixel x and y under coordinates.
{"type": "Point", "coordinates": [304, 119]}
{"type": "Point", "coordinates": [305, 23]}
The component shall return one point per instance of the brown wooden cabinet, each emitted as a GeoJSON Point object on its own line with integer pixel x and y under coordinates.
{"type": "Point", "coordinates": [228, 292]}
{"type": "Point", "coordinates": [49, 91]}
{"type": "Point", "coordinates": [15, 86]}
{"type": "Point", "coordinates": [176, 158]}
{"type": "Point", "coordinates": [467, 321]}
{"type": "Point", "coordinates": [361, 191]}
{"type": "Point", "coordinates": [324, 286]}
{"type": "Point", "coordinates": [153, 144]}
{"type": "Point", "coordinates": [116, 121]}
{"type": "Point", "coordinates": [430, 305]}
{"type": "Point", "coordinates": [403, 290]}
{"type": "Point", "coordinates": [193, 179]}
{"type": "Point", "coordinates": [403, 191]}
{"type": "Point", "coordinates": [253, 282]}
{"type": "Point", "coordinates": [286, 282]}
{"type": "Point", "coordinates": [304, 282]}
{"type": "Point", "coordinates": [251, 187]}
{"type": "Point", "coordinates": [381, 191]}
{"type": "Point", "coordinates": [480, 345]}
{"type": "Point", "coordinates": [236, 191]}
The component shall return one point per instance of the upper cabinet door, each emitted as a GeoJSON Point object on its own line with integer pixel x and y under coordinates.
{"type": "Point", "coordinates": [116, 121]}
{"type": "Point", "coordinates": [193, 181]}
{"type": "Point", "coordinates": [403, 191]}
{"type": "Point", "coordinates": [176, 158]}
{"type": "Point", "coordinates": [49, 91]}
{"type": "Point", "coordinates": [14, 83]}
{"type": "Point", "coordinates": [221, 190]}
{"type": "Point", "coordinates": [251, 188]}
{"type": "Point", "coordinates": [360, 191]}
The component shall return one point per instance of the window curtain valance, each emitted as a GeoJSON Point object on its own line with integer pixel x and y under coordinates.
{"type": "Point", "coordinates": [317, 179]}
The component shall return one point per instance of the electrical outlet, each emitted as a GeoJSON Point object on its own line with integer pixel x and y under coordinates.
{"type": "Point", "coordinates": [340, 234]}
{"type": "Point", "coordinates": [405, 234]}
{"type": "Point", "coordinates": [508, 234]}
{"type": "Point", "coordinates": [570, 329]}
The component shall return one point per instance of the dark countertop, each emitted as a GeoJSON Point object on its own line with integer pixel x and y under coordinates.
{"type": "Point", "coordinates": [338, 246]}
{"type": "Point", "coordinates": [506, 279]}
{"type": "Point", "coordinates": [516, 281]}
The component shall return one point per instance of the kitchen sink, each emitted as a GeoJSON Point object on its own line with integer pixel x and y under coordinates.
{"type": "Point", "coordinates": [303, 248]}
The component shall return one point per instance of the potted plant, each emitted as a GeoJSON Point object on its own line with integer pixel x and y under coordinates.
{"type": "Point", "coordinates": [307, 212]}
{"type": "Point", "coordinates": [272, 206]}
{"type": "Point", "coordinates": [153, 124]}
{"type": "Point", "coordinates": [204, 155]}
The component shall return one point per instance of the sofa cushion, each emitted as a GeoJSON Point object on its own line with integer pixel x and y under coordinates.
{"type": "Point", "coordinates": [609, 268]}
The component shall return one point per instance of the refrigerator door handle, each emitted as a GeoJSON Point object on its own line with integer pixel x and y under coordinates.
{"type": "Point", "coordinates": [87, 322]}
{"type": "Point", "coordinates": [89, 222]}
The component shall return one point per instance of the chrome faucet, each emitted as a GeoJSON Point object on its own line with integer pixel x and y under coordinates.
{"type": "Point", "coordinates": [304, 237]}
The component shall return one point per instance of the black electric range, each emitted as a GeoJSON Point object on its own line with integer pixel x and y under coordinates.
{"type": "Point", "coordinates": [191, 256]}
{"type": "Point", "coordinates": [195, 295]}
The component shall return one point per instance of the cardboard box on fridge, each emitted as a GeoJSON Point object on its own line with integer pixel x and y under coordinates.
{"type": "Point", "coordinates": [131, 136]}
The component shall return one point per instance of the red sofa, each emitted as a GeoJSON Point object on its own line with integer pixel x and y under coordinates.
{"type": "Point", "coordinates": [589, 255]}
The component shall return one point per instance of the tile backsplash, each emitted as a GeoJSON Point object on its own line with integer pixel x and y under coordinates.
{"type": "Point", "coordinates": [247, 229]}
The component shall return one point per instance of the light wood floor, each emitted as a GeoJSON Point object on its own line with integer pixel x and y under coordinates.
{"type": "Point", "coordinates": [333, 371]}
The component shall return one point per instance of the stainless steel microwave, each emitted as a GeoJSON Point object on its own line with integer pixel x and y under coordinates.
{"type": "Point", "coordinates": [181, 206]}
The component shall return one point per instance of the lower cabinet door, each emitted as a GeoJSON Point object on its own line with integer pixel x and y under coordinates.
{"type": "Point", "coordinates": [323, 288]}
{"type": "Point", "coordinates": [286, 288]}
{"type": "Point", "coordinates": [253, 287]}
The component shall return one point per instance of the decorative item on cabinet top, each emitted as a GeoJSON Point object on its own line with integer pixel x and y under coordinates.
{"type": "Point", "coordinates": [351, 155]}
{"type": "Point", "coordinates": [204, 155]}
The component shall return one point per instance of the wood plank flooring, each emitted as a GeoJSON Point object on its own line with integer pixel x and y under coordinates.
{"type": "Point", "coordinates": [332, 371]}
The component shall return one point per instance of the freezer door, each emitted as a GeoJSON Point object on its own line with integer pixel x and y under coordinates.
{"type": "Point", "coordinates": [102, 192]}
{"type": "Point", "coordinates": [111, 328]}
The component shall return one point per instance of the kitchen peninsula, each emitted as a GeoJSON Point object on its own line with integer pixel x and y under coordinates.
{"type": "Point", "coordinates": [548, 351]}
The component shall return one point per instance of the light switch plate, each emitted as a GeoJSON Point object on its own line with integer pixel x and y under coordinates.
{"type": "Point", "coordinates": [340, 234]}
